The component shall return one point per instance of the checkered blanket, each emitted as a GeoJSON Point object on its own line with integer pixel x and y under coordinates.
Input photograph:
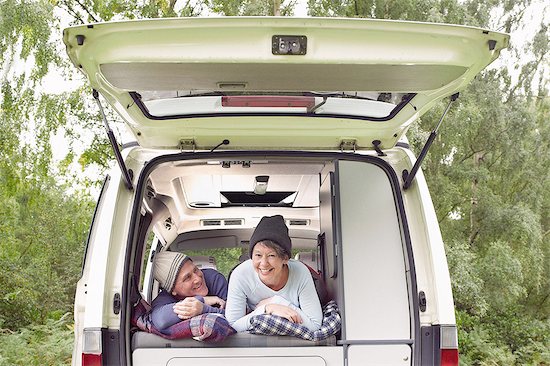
{"type": "Point", "coordinates": [209, 327]}
{"type": "Point", "coordinates": [275, 325]}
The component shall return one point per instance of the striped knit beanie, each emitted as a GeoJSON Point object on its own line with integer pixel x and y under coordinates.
{"type": "Point", "coordinates": [166, 266]}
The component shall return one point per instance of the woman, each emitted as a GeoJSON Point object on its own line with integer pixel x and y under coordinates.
{"type": "Point", "coordinates": [272, 283]}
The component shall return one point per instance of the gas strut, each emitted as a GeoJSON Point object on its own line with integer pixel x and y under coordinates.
{"type": "Point", "coordinates": [408, 177]}
{"type": "Point", "coordinates": [126, 174]}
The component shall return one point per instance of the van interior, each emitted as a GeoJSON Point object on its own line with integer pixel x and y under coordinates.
{"type": "Point", "coordinates": [346, 221]}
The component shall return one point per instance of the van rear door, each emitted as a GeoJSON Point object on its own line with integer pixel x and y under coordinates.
{"type": "Point", "coordinates": [276, 83]}
{"type": "Point", "coordinates": [373, 276]}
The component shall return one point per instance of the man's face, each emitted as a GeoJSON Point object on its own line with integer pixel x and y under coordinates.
{"type": "Point", "coordinates": [190, 281]}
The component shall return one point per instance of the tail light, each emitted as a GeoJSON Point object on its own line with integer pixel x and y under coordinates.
{"type": "Point", "coordinates": [89, 359]}
{"type": "Point", "coordinates": [448, 344]}
{"type": "Point", "coordinates": [439, 345]}
{"type": "Point", "coordinates": [92, 348]}
{"type": "Point", "coordinates": [449, 357]}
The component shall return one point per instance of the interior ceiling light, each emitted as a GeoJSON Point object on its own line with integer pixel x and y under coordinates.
{"type": "Point", "coordinates": [260, 184]}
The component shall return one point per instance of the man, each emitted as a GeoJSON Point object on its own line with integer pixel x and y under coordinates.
{"type": "Point", "coordinates": [186, 290]}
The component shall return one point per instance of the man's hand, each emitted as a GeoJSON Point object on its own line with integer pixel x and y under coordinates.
{"type": "Point", "coordinates": [283, 311]}
{"type": "Point", "coordinates": [214, 300]}
{"type": "Point", "coordinates": [188, 308]}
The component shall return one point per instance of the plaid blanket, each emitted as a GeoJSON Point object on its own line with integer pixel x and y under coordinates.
{"type": "Point", "coordinates": [208, 327]}
{"type": "Point", "coordinates": [275, 325]}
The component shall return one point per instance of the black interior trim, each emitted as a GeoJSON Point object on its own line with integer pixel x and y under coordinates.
{"type": "Point", "coordinates": [137, 100]}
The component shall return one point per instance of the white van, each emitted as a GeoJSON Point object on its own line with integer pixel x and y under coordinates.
{"type": "Point", "coordinates": [239, 118]}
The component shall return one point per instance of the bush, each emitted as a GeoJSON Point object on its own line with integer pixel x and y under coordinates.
{"type": "Point", "coordinates": [503, 339]}
{"type": "Point", "coordinates": [50, 343]}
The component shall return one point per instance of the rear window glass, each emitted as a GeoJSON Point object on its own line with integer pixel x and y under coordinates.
{"type": "Point", "coordinates": [175, 104]}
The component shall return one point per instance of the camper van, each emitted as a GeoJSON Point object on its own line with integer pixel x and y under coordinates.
{"type": "Point", "coordinates": [234, 119]}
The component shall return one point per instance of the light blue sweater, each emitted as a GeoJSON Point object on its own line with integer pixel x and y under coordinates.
{"type": "Point", "coordinates": [246, 290]}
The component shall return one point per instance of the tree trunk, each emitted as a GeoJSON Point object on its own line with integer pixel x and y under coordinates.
{"type": "Point", "coordinates": [277, 8]}
{"type": "Point", "coordinates": [474, 229]}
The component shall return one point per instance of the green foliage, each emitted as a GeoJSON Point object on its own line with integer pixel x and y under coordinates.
{"type": "Point", "coordinates": [468, 286]}
{"type": "Point", "coordinates": [449, 11]}
{"type": "Point", "coordinates": [252, 7]}
{"type": "Point", "coordinates": [90, 11]}
{"type": "Point", "coordinates": [488, 173]}
{"type": "Point", "coordinates": [50, 343]}
{"type": "Point", "coordinates": [41, 244]}
{"type": "Point", "coordinates": [226, 258]}
{"type": "Point", "coordinates": [477, 346]}
{"type": "Point", "coordinates": [43, 229]}
{"type": "Point", "coordinates": [503, 338]}
{"type": "Point", "coordinates": [25, 31]}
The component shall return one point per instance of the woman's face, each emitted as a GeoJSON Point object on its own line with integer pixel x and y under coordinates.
{"type": "Point", "coordinates": [190, 281]}
{"type": "Point", "coordinates": [268, 265]}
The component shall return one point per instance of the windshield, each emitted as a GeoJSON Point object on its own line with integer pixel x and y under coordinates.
{"type": "Point", "coordinates": [364, 105]}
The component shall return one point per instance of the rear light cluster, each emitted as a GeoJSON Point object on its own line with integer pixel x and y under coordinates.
{"type": "Point", "coordinates": [448, 344]}
{"type": "Point", "coordinates": [449, 357]}
{"type": "Point", "coordinates": [91, 348]}
{"type": "Point", "coordinates": [89, 359]}
{"type": "Point", "coordinates": [439, 345]}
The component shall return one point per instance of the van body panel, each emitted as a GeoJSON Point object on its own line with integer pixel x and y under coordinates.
{"type": "Point", "coordinates": [248, 361]}
{"type": "Point", "coordinates": [96, 288]}
{"type": "Point", "coordinates": [291, 356]}
{"type": "Point", "coordinates": [371, 248]}
{"type": "Point", "coordinates": [116, 247]}
{"type": "Point", "coordinates": [420, 210]}
{"type": "Point", "coordinates": [102, 273]}
{"type": "Point", "coordinates": [379, 355]}
{"type": "Point", "coordinates": [90, 290]}
{"type": "Point", "coordinates": [80, 294]}
{"type": "Point", "coordinates": [124, 60]}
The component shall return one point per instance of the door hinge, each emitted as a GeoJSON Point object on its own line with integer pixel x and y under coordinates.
{"type": "Point", "coordinates": [348, 145]}
{"type": "Point", "coordinates": [376, 144]}
{"type": "Point", "coordinates": [187, 145]}
{"type": "Point", "coordinates": [422, 301]}
{"type": "Point", "coordinates": [116, 303]}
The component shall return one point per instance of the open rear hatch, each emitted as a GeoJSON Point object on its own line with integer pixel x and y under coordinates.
{"type": "Point", "coordinates": [276, 83]}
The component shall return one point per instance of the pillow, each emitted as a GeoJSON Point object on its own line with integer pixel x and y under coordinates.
{"type": "Point", "coordinates": [267, 324]}
{"type": "Point", "coordinates": [208, 327]}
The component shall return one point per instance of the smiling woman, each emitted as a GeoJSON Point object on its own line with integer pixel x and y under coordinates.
{"type": "Point", "coordinates": [271, 264]}
{"type": "Point", "coordinates": [271, 282]}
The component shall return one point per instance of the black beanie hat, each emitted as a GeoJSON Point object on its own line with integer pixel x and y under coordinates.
{"type": "Point", "coordinates": [272, 228]}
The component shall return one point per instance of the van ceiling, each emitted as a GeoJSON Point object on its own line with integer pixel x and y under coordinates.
{"type": "Point", "coordinates": [210, 185]}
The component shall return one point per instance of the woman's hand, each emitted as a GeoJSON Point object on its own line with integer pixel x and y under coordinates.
{"type": "Point", "coordinates": [214, 300]}
{"type": "Point", "coordinates": [265, 301]}
{"type": "Point", "coordinates": [283, 311]}
{"type": "Point", "coordinates": [188, 308]}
